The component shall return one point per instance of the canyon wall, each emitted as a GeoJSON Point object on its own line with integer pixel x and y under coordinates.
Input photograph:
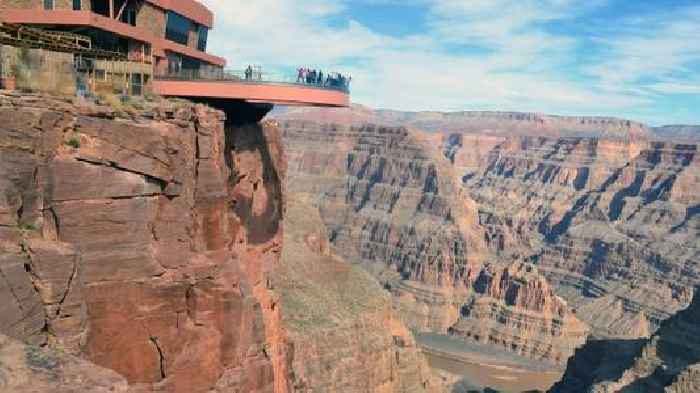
{"type": "Point", "coordinates": [504, 124]}
{"type": "Point", "coordinates": [390, 202]}
{"type": "Point", "coordinates": [681, 133]}
{"type": "Point", "coordinates": [668, 362]}
{"type": "Point", "coordinates": [606, 215]}
{"type": "Point", "coordinates": [142, 240]}
{"type": "Point", "coordinates": [612, 224]}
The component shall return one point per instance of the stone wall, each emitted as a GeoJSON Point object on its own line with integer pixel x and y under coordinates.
{"type": "Point", "coordinates": [152, 19]}
{"type": "Point", "coordinates": [39, 70]}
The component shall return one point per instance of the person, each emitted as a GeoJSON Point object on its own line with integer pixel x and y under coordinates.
{"type": "Point", "coordinates": [319, 80]}
{"type": "Point", "coordinates": [300, 75]}
{"type": "Point", "coordinates": [249, 73]}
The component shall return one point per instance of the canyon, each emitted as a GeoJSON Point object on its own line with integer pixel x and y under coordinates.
{"type": "Point", "coordinates": [175, 247]}
{"type": "Point", "coordinates": [599, 214]}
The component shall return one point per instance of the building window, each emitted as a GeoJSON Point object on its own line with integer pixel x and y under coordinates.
{"type": "Point", "coordinates": [129, 16]}
{"type": "Point", "coordinates": [48, 4]}
{"type": "Point", "coordinates": [77, 5]}
{"type": "Point", "coordinates": [177, 28]}
{"type": "Point", "coordinates": [100, 7]}
{"type": "Point", "coordinates": [202, 33]}
{"type": "Point", "coordinates": [174, 64]}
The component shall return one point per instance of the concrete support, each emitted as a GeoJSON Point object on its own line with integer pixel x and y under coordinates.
{"type": "Point", "coordinates": [239, 112]}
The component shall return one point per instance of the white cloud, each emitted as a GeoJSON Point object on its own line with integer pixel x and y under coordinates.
{"type": "Point", "coordinates": [651, 49]}
{"type": "Point", "coordinates": [519, 69]}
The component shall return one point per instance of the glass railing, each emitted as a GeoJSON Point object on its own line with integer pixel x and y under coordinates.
{"type": "Point", "coordinates": [333, 81]}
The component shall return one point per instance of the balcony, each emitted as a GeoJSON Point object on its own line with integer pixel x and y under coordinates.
{"type": "Point", "coordinates": [257, 87]}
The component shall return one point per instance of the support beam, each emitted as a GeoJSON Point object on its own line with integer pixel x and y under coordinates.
{"type": "Point", "coordinates": [111, 9]}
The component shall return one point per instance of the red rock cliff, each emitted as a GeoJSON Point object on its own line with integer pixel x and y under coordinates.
{"type": "Point", "coordinates": [142, 241]}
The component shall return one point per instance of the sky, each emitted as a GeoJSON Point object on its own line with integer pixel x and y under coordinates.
{"type": "Point", "coordinates": [635, 59]}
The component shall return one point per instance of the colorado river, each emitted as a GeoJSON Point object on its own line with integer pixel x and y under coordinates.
{"type": "Point", "coordinates": [482, 366]}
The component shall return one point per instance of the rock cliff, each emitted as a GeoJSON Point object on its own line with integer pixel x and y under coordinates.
{"type": "Point", "coordinates": [612, 224]}
{"type": "Point", "coordinates": [682, 133]}
{"type": "Point", "coordinates": [668, 362]}
{"type": "Point", "coordinates": [515, 309]}
{"type": "Point", "coordinates": [503, 124]}
{"type": "Point", "coordinates": [142, 240]}
{"type": "Point", "coordinates": [391, 202]}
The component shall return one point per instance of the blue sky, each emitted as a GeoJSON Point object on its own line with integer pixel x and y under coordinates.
{"type": "Point", "coordinates": [637, 59]}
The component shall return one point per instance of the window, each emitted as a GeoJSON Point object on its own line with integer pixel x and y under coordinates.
{"type": "Point", "coordinates": [100, 7]}
{"type": "Point", "coordinates": [77, 5]}
{"type": "Point", "coordinates": [202, 33]}
{"type": "Point", "coordinates": [129, 15]}
{"type": "Point", "coordinates": [177, 28]}
{"type": "Point", "coordinates": [136, 84]}
{"type": "Point", "coordinates": [174, 64]}
{"type": "Point", "coordinates": [48, 4]}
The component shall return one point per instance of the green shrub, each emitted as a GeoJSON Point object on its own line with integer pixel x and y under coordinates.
{"type": "Point", "coordinates": [28, 227]}
{"type": "Point", "coordinates": [73, 142]}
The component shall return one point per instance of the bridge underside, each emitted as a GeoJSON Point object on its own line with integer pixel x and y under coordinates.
{"type": "Point", "coordinates": [238, 112]}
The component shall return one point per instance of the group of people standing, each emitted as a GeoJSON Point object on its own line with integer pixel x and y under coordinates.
{"type": "Point", "coordinates": [249, 73]}
{"type": "Point", "coordinates": [313, 77]}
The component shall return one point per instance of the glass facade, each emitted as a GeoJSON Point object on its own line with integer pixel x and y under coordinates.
{"type": "Point", "coordinates": [177, 28]}
{"type": "Point", "coordinates": [202, 34]}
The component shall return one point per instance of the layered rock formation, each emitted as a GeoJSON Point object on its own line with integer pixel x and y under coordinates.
{"type": "Point", "coordinates": [682, 133]}
{"type": "Point", "coordinates": [142, 240]}
{"type": "Point", "coordinates": [391, 202]}
{"type": "Point", "coordinates": [503, 124]}
{"type": "Point", "coordinates": [386, 206]}
{"type": "Point", "coordinates": [666, 363]}
{"type": "Point", "coordinates": [514, 308]}
{"type": "Point", "coordinates": [610, 223]}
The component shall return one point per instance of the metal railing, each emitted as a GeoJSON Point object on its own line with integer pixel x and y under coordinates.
{"type": "Point", "coordinates": [256, 77]}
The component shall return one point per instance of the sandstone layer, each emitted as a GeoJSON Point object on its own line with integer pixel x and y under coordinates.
{"type": "Point", "coordinates": [142, 240]}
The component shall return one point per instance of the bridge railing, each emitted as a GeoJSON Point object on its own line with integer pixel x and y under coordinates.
{"type": "Point", "coordinates": [258, 76]}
